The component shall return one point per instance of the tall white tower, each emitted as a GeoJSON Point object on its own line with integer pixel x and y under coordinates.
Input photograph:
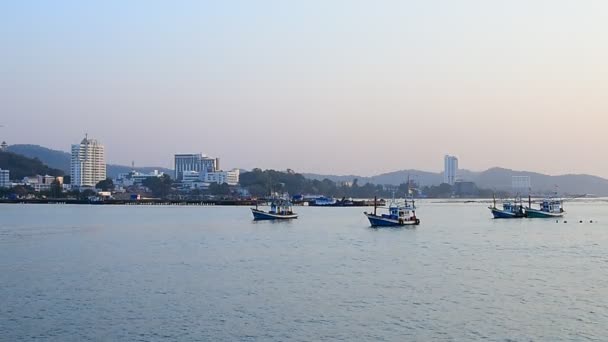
{"type": "Point", "coordinates": [450, 169]}
{"type": "Point", "coordinates": [88, 165]}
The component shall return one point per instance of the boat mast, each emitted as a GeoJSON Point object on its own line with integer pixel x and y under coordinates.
{"type": "Point", "coordinates": [408, 189]}
{"type": "Point", "coordinates": [375, 204]}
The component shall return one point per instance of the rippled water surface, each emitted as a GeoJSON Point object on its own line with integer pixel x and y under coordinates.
{"type": "Point", "coordinates": [135, 273]}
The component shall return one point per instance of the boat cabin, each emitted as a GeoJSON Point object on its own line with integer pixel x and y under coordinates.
{"type": "Point", "coordinates": [396, 212]}
{"type": "Point", "coordinates": [281, 208]}
{"type": "Point", "coordinates": [511, 207]}
{"type": "Point", "coordinates": [551, 206]}
{"type": "Point", "coordinates": [399, 212]}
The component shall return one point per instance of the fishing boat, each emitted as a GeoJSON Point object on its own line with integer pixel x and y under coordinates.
{"type": "Point", "coordinates": [280, 209]}
{"type": "Point", "coordinates": [398, 215]}
{"type": "Point", "coordinates": [510, 209]}
{"type": "Point", "coordinates": [324, 201]}
{"type": "Point", "coordinates": [551, 207]}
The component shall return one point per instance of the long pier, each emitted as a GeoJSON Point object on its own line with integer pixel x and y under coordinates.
{"type": "Point", "coordinates": [156, 201]}
{"type": "Point", "coordinates": [133, 202]}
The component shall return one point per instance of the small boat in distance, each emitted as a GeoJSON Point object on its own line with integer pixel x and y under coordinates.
{"type": "Point", "coordinates": [324, 201]}
{"type": "Point", "coordinates": [510, 209]}
{"type": "Point", "coordinates": [280, 209]}
{"type": "Point", "coordinates": [398, 215]}
{"type": "Point", "coordinates": [551, 207]}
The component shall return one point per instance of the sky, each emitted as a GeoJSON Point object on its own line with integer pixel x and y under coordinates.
{"type": "Point", "coordinates": [337, 87]}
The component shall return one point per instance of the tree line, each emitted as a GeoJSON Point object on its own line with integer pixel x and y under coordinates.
{"type": "Point", "coordinates": [261, 183]}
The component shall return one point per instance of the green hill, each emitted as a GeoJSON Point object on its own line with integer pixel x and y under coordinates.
{"type": "Point", "coordinates": [21, 166]}
{"type": "Point", "coordinates": [53, 158]}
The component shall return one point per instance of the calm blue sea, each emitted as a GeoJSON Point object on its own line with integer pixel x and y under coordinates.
{"type": "Point", "coordinates": [137, 273]}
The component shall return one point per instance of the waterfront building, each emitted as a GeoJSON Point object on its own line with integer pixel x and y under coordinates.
{"type": "Point", "coordinates": [39, 182]}
{"type": "Point", "coordinates": [194, 185]}
{"type": "Point", "coordinates": [3, 146]}
{"type": "Point", "coordinates": [220, 177]}
{"type": "Point", "coordinates": [135, 177]}
{"type": "Point", "coordinates": [29, 180]}
{"type": "Point", "coordinates": [450, 169]}
{"type": "Point", "coordinates": [5, 178]}
{"type": "Point", "coordinates": [194, 162]}
{"type": "Point", "coordinates": [192, 180]}
{"type": "Point", "coordinates": [191, 176]}
{"type": "Point", "coordinates": [46, 179]}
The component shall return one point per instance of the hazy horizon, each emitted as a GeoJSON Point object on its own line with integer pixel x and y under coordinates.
{"type": "Point", "coordinates": [343, 87]}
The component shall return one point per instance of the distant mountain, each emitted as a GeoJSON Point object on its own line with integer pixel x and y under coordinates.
{"type": "Point", "coordinates": [494, 178]}
{"type": "Point", "coordinates": [392, 178]}
{"type": "Point", "coordinates": [21, 166]}
{"type": "Point", "coordinates": [53, 158]}
{"type": "Point", "coordinates": [500, 179]}
{"type": "Point", "coordinates": [61, 160]}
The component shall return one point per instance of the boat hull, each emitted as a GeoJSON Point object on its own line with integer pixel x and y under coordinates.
{"type": "Point", "coordinates": [535, 213]}
{"type": "Point", "coordinates": [263, 215]}
{"type": "Point", "coordinates": [501, 214]}
{"type": "Point", "coordinates": [379, 221]}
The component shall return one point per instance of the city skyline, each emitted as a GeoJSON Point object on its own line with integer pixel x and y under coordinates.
{"type": "Point", "coordinates": [328, 88]}
{"type": "Point", "coordinates": [441, 169]}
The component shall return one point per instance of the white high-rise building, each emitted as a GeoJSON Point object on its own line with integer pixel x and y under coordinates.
{"type": "Point", "coordinates": [450, 169]}
{"type": "Point", "coordinates": [88, 166]}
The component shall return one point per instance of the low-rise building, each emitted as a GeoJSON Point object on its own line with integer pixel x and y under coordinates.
{"type": "Point", "coordinates": [135, 178]}
{"type": "Point", "coordinates": [29, 180]}
{"type": "Point", "coordinates": [190, 176]}
{"type": "Point", "coordinates": [220, 177]}
{"type": "Point", "coordinates": [46, 179]}
{"type": "Point", "coordinates": [192, 180]}
{"type": "Point", "coordinates": [40, 182]}
{"type": "Point", "coordinates": [194, 185]}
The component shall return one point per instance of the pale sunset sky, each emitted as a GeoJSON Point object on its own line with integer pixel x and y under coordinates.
{"type": "Point", "coordinates": [340, 87]}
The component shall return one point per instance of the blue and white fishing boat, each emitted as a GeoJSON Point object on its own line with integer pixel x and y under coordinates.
{"type": "Point", "coordinates": [551, 207]}
{"type": "Point", "coordinates": [510, 209]}
{"type": "Point", "coordinates": [280, 209]}
{"type": "Point", "coordinates": [324, 201]}
{"type": "Point", "coordinates": [398, 215]}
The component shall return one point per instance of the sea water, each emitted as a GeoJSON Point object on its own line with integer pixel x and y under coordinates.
{"type": "Point", "coordinates": [150, 273]}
